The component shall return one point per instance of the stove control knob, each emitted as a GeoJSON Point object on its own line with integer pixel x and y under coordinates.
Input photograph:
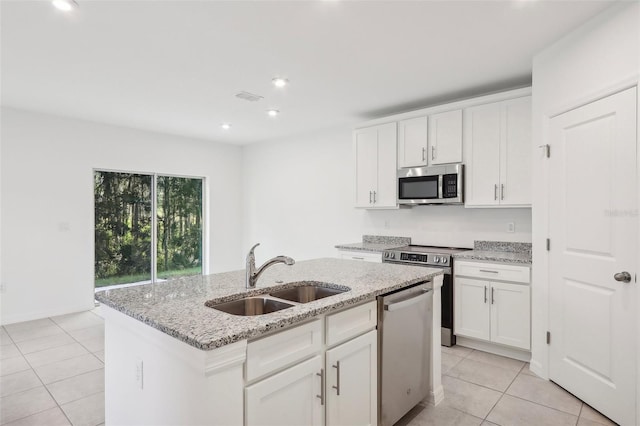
{"type": "Point", "coordinates": [386, 255]}
{"type": "Point", "coordinates": [444, 260]}
{"type": "Point", "coordinates": [393, 255]}
{"type": "Point", "coordinates": [436, 259]}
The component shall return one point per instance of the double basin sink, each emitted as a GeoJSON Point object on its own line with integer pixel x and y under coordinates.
{"type": "Point", "coordinates": [260, 305]}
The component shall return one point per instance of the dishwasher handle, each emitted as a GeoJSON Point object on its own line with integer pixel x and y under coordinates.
{"type": "Point", "coordinates": [407, 302]}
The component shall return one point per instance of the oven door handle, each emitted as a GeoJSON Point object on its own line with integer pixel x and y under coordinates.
{"type": "Point", "coordinates": [407, 302]}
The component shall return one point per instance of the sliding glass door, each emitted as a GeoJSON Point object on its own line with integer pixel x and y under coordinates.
{"type": "Point", "coordinates": [147, 227]}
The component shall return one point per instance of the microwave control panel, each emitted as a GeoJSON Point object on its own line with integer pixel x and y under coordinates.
{"type": "Point", "coordinates": [450, 186]}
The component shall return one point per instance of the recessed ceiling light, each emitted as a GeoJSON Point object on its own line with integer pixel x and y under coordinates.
{"type": "Point", "coordinates": [280, 82]}
{"type": "Point", "coordinates": [65, 5]}
{"type": "Point", "coordinates": [273, 112]}
{"type": "Point", "coordinates": [225, 126]}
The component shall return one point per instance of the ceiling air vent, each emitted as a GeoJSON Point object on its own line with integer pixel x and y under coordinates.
{"type": "Point", "coordinates": [248, 96]}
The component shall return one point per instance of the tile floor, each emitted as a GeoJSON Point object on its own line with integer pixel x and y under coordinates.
{"type": "Point", "coordinates": [52, 373]}
{"type": "Point", "coordinates": [486, 389]}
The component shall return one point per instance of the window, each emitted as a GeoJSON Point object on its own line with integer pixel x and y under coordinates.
{"type": "Point", "coordinates": [147, 227]}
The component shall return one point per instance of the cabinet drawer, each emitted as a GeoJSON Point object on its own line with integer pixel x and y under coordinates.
{"type": "Point", "coordinates": [493, 271]}
{"type": "Point", "coordinates": [282, 349]}
{"type": "Point", "coordinates": [352, 322]}
{"type": "Point", "coordinates": [360, 255]}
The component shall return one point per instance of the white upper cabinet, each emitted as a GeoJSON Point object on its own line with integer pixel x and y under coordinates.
{"type": "Point", "coordinates": [376, 166]}
{"type": "Point", "coordinates": [445, 137]}
{"type": "Point", "coordinates": [430, 141]}
{"type": "Point", "coordinates": [412, 142]}
{"type": "Point", "coordinates": [497, 154]}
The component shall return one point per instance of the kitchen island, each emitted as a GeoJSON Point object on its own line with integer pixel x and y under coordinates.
{"type": "Point", "coordinates": [172, 360]}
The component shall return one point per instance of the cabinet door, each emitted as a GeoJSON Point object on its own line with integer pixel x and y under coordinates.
{"type": "Point", "coordinates": [511, 315]}
{"type": "Point", "coordinates": [287, 398]}
{"type": "Point", "coordinates": [515, 153]}
{"type": "Point", "coordinates": [366, 153]}
{"type": "Point", "coordinates": [412, 142]}
{"type": "Point", "coordinates": [352, 386]}
{"type": "Point", "coordinates": [471, 308]}
{"type": "Point", "coordinates": [445, 137]}
{"type": "Point", "coordinates": [482, 126]}
{"type": "Point", "coordinates": [386, 192]}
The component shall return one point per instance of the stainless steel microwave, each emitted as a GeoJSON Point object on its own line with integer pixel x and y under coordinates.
{"type": "Point", "coordinates": [431, 185]}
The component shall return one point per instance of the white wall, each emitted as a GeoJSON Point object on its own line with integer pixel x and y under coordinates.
{"type": "Point", "coordinates": [299, 197]}
{"type": "Point", "coordinates": [47, 203]}
{"type": "Point", "coordinates": [597, 59]}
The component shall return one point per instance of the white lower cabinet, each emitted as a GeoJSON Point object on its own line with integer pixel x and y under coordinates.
{"type": "Point", "coordinates": [498, 312]}
{"type": "Point", "coordinates": [291, 397]}
{"type": "Point", "coordinates": [351, 389]}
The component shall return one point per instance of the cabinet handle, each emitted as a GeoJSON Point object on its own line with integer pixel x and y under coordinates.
{"type": "Point", "coordinates": [485, 294]}
{"type": "Point", "coordinates": [370, 192]}
{"type": "Point", "coordinates": [321, 396]}
{"type": "Point", "coordinates": [357, 258]}
{"type": "Point", "coordinates": [502, 191]}
{"type": "Point", "coordinates": [495, 191]}
{"type": "Point", "coordinates": [424, 154]}
{"type": "Point", "coordinates": [337, 386]}
{"type": "Point", "coordinates": [433, 152]}
{"type": "Point", "coordinates": [486, 270]}
{"type": "Point", "coordinates": [374, 197]}
{"type": "Point", "coordinates": [492, 299]}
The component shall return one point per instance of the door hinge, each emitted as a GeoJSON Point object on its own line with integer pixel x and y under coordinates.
{"type": "Point", "coordinates": [548, 337]}
{"type": "Point", "coordinates": [548, 244]}
{"type": "Point", "coordinates": [547, 149]}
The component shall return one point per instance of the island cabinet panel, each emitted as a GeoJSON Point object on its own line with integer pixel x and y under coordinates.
{"type": "Point", "coordinates": [282, 349]}
{"type": "Point", "coordinates": [351, 387]}
{"type": "Point", "coordinates": [292, 397]}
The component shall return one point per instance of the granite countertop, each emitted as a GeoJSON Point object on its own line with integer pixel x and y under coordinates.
{"type": "Point", "coordinates": [376, 243]}
{"type": "Point", "coordinates": [495, 256]}
{"type": "Point", "coordinates": [177, 307]}
{"type": "Point", "coordinates": [498, 251]}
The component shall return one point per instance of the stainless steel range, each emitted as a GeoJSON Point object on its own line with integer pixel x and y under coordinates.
{"type": "Point", "coordinates": [434, 257]}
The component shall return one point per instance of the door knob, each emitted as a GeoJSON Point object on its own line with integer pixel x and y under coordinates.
{"type": "Point", "coordinates": [624, 277]}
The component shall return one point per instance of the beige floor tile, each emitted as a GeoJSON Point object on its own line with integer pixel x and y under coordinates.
{"type": "Point", "coordinates": [77, 387]}
{"type": "Point", "coordinates": [60, 353]}
{"type": "Point", "coordinates": [18, 382]}
{"type": "Point", "coordinates": [100, 355]}
{"type": "Point", "coordinates": [545, 393]}
{"type": "Point", "coordinates": [496, 360]}
{"type": "Point", "coordinates": [29, 325]}
{"type": "Point", "coordinates": [4, 337]}
{"type": "Point", "coordinates": [483, 374]}
{"type": "Point", "coordinates": [51, 417]}
{"type": "Point", "coordinates": [527, 370]}
{"type": "Point", "coordinates": [61, 370]}
{"type": "Point", "coordinates": [457, 350]}
{"type": "Point", "coordinates": [486, 423]}
{"type": "Point", "coordinates": [35, 333]}
{"type": "Point", "coordinates": [588, 413]}
{"type": "Point", "coordinates": [449, 361]}
{"type": "Point", "coordinates": [78, 320]}
{"type": "Point", "coordinates": [9, 351]}
{"type": "Point", "coordinates": [13, 365]}
{"type": "Point", "coordinates": [94, 345]}
{"type": "Point", "coordinates": [93, 332]}
{"type": "Point", "coordinates": [98, 311]}
{"type": "Point", "coordinates": [586, 422]}
{"type": "Point", "coordinates": [35, 345]}
{"type": "Point", "coordinates": [469, 398]}
{"type": "Point", "coordinates": [444, 415]}
{"type": "Point", "coordinates": [87, 411]}
{"type": "Point", "coordinates": [512, 411]}
{"type": "Point", "coordinates": [24, 404]}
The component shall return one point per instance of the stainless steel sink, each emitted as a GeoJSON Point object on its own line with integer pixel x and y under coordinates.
{"type": "Point", "coordinates": [251, 306]}
{"type": "Point", "coordinates": [306, 293]}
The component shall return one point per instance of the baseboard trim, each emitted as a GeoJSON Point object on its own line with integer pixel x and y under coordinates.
{"type": "Point", "coordinates": [30, 316]}
{"type": "Point", "coordinates": [519, 354]}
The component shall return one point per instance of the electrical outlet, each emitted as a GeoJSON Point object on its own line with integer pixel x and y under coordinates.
{"type": "Point", "coordinates": [511, 227]}
{"type": "Point", "coordinates": [139, 373]}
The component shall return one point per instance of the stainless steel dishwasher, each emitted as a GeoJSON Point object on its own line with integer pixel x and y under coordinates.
{"type": "Point", "coordinates": [404, 341]}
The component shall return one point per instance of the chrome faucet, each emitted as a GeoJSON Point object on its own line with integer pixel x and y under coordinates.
{"type": "Point", "coordinates": [252, 273]}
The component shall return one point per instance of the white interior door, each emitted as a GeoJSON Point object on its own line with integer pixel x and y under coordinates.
{"type": "Point", "coordinates": [593, 230]}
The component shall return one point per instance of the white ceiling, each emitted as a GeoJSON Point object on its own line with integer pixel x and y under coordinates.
{"type": "Point", "coordinates": [174, 66]}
